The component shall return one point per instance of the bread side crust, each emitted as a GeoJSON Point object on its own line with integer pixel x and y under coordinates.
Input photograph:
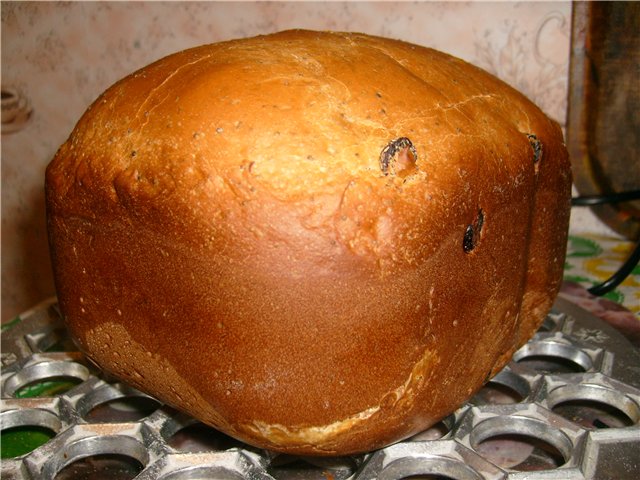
{"type": "Point", "coordinates": [229, 200]}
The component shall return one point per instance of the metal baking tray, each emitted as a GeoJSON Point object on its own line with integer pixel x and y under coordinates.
{"type": "Point", "coordinates": [566, 407]}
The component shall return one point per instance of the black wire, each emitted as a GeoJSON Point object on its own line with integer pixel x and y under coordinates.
{"type": "Point", "coordinates": [630, 263]}
{"type": "Point", "coordinates": [617, 278]}
{"type": "Point", "coordinates": [590, 200]}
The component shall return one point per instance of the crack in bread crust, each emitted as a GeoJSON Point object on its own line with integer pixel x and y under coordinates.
{"type": "Point", "coordinates": [398, 398]}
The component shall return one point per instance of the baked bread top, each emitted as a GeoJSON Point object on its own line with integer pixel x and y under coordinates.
{"type": "Point", "coordinates": [317, 242]}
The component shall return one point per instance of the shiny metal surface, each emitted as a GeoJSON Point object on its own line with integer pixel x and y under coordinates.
{"type": "Point", "coordinates": [566, 407]}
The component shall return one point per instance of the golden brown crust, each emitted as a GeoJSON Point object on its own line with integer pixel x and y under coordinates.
{"type": "Point", "coordinates": [226, 236]}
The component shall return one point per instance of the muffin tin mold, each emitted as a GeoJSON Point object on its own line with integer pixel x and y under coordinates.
{"type": "Point", "coordinates": [566, 407]}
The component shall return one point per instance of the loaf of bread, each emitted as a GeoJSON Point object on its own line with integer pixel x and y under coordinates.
{"type": "Point", "coordinates": [319, 243]}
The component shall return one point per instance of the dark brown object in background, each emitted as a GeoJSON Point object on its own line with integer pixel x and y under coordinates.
{"type": "Point", "coordinates": [603, 126]}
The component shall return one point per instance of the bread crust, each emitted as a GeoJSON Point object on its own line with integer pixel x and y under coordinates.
{"type": "Point", "coordinates": [225, 235]}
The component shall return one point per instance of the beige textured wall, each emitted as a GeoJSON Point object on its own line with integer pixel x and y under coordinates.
{"type": "Point", "coordinates": [63, 55]}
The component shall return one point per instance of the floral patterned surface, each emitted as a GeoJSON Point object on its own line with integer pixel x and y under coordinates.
{"type": "Point", "coordinates": [593, 259]}
{"type": "Point", "coordinates": [528, 59]}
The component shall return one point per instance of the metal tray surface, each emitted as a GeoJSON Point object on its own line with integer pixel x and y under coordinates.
{"type": "Point", "coordinates": [566, 407]}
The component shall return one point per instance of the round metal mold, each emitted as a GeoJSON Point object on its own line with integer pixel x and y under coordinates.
{"type": "Point", "coordinates": [232, 464]}
{"type": "Point", "coordinates": [184, 434]}
{"type": "Point", "coordinates": [43, 371]}
{"type": "Point", "coordinates": [79, 442]}
{"type": "Point", "coordinates": [291, 467]}
{"type": "Point", "coordinates": [26, 428]}
{"type": "Point", "coordinates": [202, 472]}
{"type": "Point", "coordinates": [555, 354]}
{"type": "Point", "coordinates": [30, 417]}
{"type": "Point", "coordinates": [525, 430]}
{"type": "Point", "coordinates": [94, 446]}
{"type": "Point", "coordinates": [198, 437]}
{"type": "Point", "coordinates": [504, 388]}
{"type": "Point", "coordinates": [442, 459]}
{"type": "Point", "coordinates": [172, 422]}
{"type": "Point", "coordinates": [428, 465]}
{"type": "Point", "coordinates": [595, 365]}
{"type": "Point", "coordinates": [115, 403]}
{"type": "Point", "coordinates": [594, 402]}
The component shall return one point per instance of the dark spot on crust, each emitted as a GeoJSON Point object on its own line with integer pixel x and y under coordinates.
{"type": "Point", "coordinates": [468, 242]}
{"type": "Point", "coordinates": [479, 220]}
{"type": "Point", "coordinates": [399, 158]}
{"type": "Point", "coordinates": [536, 146]}
{"type": "Point", "coordinates": [472, 233]}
